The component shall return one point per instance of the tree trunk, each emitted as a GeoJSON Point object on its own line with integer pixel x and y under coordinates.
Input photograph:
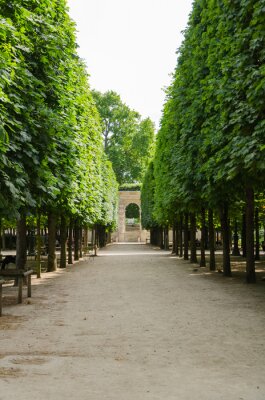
{"type": "Point", "coordinates": [157, 236]}
{"type": "Point", "coordinates": [166, 239]}
{"type": "Point", "coordinates": [63, 240]}
{"type": "Point", "coordinates": [217, 237]}
{"type": "Point", "coordinates": [193, 247]}
{"type": "Point", "coordinates": [186, 236]}
{"type": "Point", "coordinates": [211, 240]}
{"type": "Point", "coordinates": [263, 242]}
{"type": "Point", "coordinates": [154, 240]}
{"type": "Point", "coordinates": [85, 239]}
{"type": "Point", "coordinates": [236, 251]}
{"type": "Point", "coordinates": [243, 236]}
{"type": "Point", "coordinates": [31, 241]}
{"type": "Point", "coordinates": [230, 235]}
{"type": "Point", "coordinates": [180, 236]}
{"type": "Point", "coordinates": [1, 242]}
{"type": "Point", "coordinates": [3, 236]}
{"type": "Point", "coordinates": [21, 245]}
{"type": "Point", "coordinates": [206, 237]}
{"type": "Point", "coordinates": [95, 242]}
{"type": "Point", "coordinates": [70, 242]}
{"type": "Point", "coordinates": [76, 241]}
{"type": "Point", "coordinates": [203, 234]}
{"type": "Point", "coordinates": [92, 237]}
{"type": "Point", "coordinates": [92, 241]}
{"type": "Point", "coordinates": [257, 255]}
{"type": "Point", "coordinates": [174, 239]}
{"type": "Point", "coordinates": [52, 266]}
{"type": "Point", "coordinates": [102, 236]}
{"type": "Point", "coordinates": [225, 236]}
{"type": "Point", "coordinates": [250, 261]}
{"type": "Point", "coordinates": [177, 238]}
{"type": "Point", "coordinates": [38, 246]}
{"type": "Point", "coordinates": [161, 238]}
{"type": "Point", "coordinates": [81, 243]}
{"type": "Point", "coordinates": [108, 237]}
{"type": "Point", "coordinates": [152, 236]}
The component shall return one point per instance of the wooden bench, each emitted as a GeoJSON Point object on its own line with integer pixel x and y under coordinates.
{"type": "Point", "coordinates": [20, 275]}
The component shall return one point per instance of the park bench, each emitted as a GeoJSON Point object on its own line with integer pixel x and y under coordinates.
{"type": "Point", "coordinates": [19, 275]}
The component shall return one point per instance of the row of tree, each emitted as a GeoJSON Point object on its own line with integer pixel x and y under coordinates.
{"type": "Point", "coordinates": [210, 151]}
{"type": "Point", "coordinates": [52, 159]}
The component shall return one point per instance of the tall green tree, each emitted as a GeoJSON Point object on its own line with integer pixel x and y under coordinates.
{"type": "Point", "coordinates": [128, 140]}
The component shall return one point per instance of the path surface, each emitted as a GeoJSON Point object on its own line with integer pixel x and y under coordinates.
{"type": "Point", "coordinates": [134, 324]}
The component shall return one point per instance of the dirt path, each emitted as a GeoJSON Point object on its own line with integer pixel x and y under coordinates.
{"type": "Point", "coordinates": [134, 324]}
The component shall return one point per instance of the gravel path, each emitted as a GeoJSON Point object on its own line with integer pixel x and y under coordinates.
{"type": "Point", "coordinates": [134, 324]}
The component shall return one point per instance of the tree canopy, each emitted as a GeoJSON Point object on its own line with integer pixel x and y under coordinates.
{"type": "Point", "coordinates": [128, 140]}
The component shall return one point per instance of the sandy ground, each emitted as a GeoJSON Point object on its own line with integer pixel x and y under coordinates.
{"type": "Point", "coordinates": [134, 324]}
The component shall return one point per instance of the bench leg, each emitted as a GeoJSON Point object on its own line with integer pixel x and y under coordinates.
{"type": "Point", "coordinates": [29, 285]}
{"type": "Point", "coordinates": [20, 288]}
{"type": "Point", "coordinates": [1, 291]}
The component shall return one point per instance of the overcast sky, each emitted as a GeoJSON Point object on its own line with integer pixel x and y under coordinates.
{"type": "Point", "coordinates": [130, 47]}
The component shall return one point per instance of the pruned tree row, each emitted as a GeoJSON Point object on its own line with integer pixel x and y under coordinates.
{"type": "Point", "coordinates": [51, 152]}
{"type": "Point", "coordinates": [209, 166]}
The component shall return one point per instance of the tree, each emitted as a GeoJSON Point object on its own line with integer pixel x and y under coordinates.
{"type": "Point", "coordinates": [128, 140]}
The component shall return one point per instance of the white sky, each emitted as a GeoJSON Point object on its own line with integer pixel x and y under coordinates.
{"type": "Point", "coordinates": [130, 46]}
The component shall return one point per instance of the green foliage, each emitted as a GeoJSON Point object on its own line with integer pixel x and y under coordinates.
{"type": "Point", "coordinates": [211, 143]}
{"type": "Point", "coordinates": [110, 198]}
{"type": "Point", "coordinates": [132, 211]}
{"type": "Point", "coordinates": [128, 140]}
{"type": "Point", "coordinates": [51, 155]}
{"type": "Point", "coordinates": [147, 198]}
{"type": "Point", "coordinates": [131, 187]}
{"type": "Point", "coordinates": [164, 191]}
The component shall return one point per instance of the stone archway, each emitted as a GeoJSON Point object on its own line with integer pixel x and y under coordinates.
{"type": "Point", "coordinates": [132, 217]}
{"type": "Point", "coordinates": [121, 235]}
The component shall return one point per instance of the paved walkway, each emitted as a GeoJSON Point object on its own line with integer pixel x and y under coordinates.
{"type": "Point", "coordinates": [134, 324]}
